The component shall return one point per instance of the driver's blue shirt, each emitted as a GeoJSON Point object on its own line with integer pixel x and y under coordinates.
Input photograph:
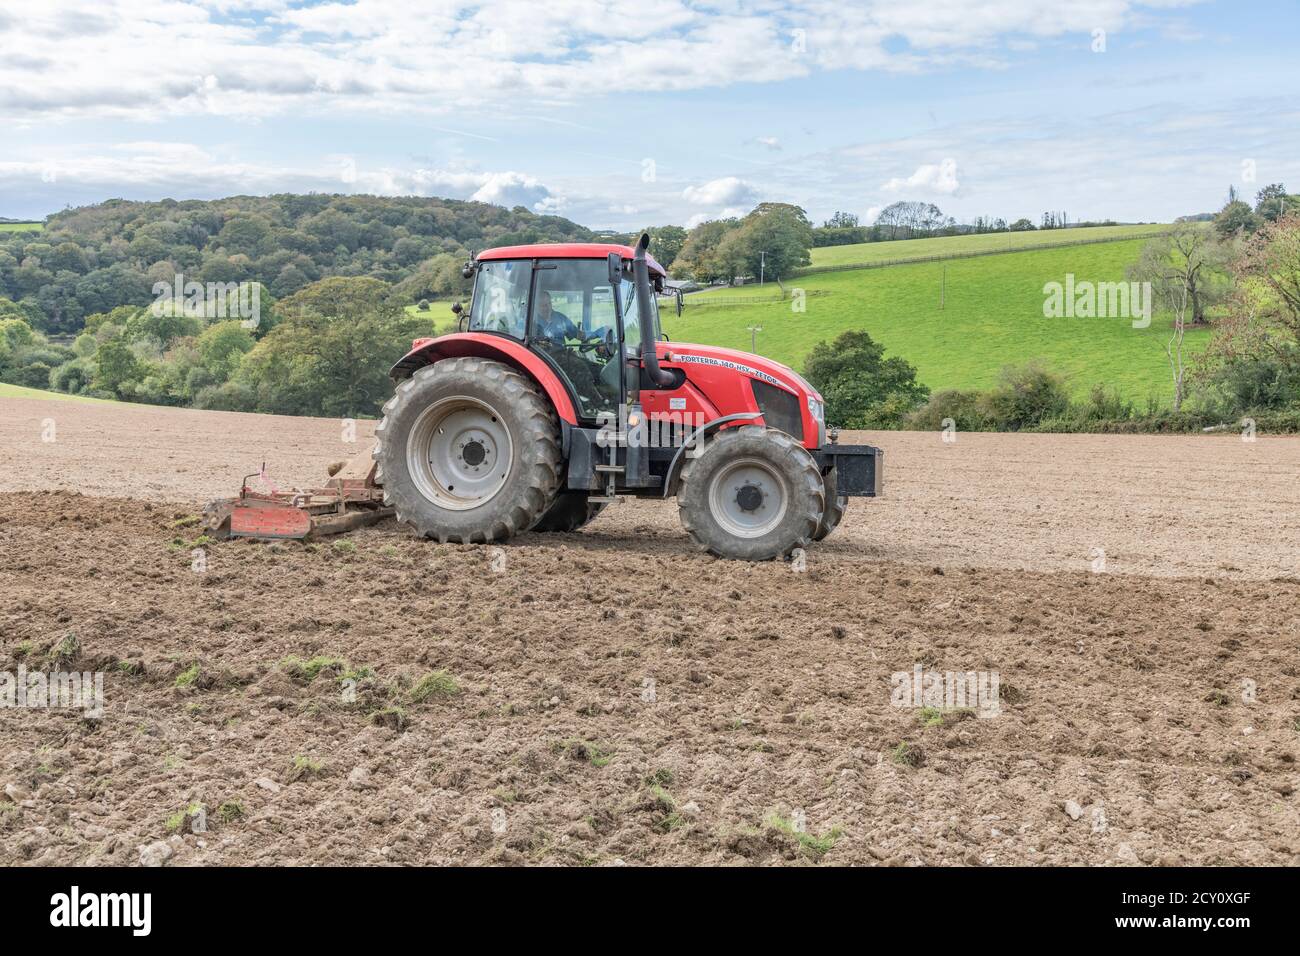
{"type": "Point", "coordinates": [555, 329]}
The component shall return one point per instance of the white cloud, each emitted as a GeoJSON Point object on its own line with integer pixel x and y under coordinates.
{"type": "Point", "coordinates": [729, 190]}
{"type": "Point", "coordinates": [928, 179]}
{"type": "Point", "coordinates": [512, 189]}
{"type": "Point", "coordinates": [771, 142]}
{"type": "Point", "coordinates": [184, 170]}
{"type": "Point", "coordinates": [152, 59]}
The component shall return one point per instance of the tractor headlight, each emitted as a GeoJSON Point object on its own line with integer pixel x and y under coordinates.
{"type": "Point", "coordinates": [816, 409]}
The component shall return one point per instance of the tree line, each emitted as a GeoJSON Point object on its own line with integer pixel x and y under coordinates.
{"type": "Point", "coordinates": [910, 219]}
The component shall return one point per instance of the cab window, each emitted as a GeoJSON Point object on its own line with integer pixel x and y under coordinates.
{"type": "Point", "coordinates": [501, 297]}
{"type": "Point", "coordinates": [574, 323]}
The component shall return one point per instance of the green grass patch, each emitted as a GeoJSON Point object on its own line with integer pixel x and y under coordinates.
{"type": "Point", "coordinates": [394, 717]}
{"type": "Point", "coordinates": [669, 818]}
{"type": "Point", "coordinates": [19, 391]}
{"type": "Point", "coordinates": [306, 671]}
{"type": "Point", "coordinates": [907, 755]}
{"type": "Point", "coordinates": [595, 754]}
{"type": "Point", "coordinates": [438, 684]}
{"type": "Point", "coordinates": [992, 317]}
{"type": "Point", "coordinates": [22, 227]}
{"type": "Point", "coordinates": [176, 822]}
{"type": "Point", "coordinates": [188, 676]}
{"type": "Point", "coordinates": [439, 313]}
{"type": "Point", "coordinates": [305, 768]}
{"type": "Point", "coordinates": [65, 651]}
{"type": "Point", "coordinates": [814, 847]}
{"type": "Point", "coordinates": [662, 777]}
{"type": "Point", "coordinates": [931, 716]}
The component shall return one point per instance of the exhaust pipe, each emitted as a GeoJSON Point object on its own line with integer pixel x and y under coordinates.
{"type": "Point", "coordinates": [641, 276]}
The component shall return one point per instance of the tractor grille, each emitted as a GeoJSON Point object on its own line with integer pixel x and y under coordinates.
{"type": "Point", "coordinates": [780, 409]}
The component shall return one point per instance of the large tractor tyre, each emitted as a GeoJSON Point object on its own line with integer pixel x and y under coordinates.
{"type": "Point", "coordinates": [753, 494]}
{"type": "Point", "coordinates": [468, 451]}
{"type": "Point", "coordinates": [570, 511]}
{"type": "Point", "coordinates": [835, 505]}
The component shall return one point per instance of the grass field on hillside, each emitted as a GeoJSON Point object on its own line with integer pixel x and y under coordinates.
{"type": "Point", "coordinates": [439, 312]}
{"type": "Point", "coordinates": [989, 241]}
{"type": "Point", "coordinates": [993, 316]}
{"type": "Point", "coordinates": [21, 227]}
{"type": "Point", "coordinates": [18, 391]}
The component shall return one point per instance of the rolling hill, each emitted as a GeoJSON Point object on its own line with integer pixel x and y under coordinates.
{"type": "Point", "coordinates": [992, 316]}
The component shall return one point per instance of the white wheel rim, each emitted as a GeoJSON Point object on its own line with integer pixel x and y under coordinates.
{"type": "Point", "coordinates": [459, 453]}
{"type": "Point", "coordinates": [748, 497]}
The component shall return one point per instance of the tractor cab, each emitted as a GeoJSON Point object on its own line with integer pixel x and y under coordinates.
{"type": "Point", "coordinates": [575, 306]}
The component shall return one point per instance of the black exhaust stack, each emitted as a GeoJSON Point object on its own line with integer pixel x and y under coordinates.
{"type": "Point", "coordinates": [636, 464]}
{"type": "Point", "coordinates": [645, 317]}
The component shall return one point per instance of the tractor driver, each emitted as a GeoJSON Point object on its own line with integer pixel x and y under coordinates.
{"type": "Point", "coordinates": [551, 325]}
{"type": "Point", "coordinates": [551, 328]}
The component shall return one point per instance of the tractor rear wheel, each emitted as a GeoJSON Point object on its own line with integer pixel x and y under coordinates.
{"type": "Point", "coordinates": [835, 505]}
{"type": "Point", "coordinates": [468, 451]}
{"type": "Point", "coordinates": [570, 511]}
{"type": "Point", "coordinates": [754, 493]}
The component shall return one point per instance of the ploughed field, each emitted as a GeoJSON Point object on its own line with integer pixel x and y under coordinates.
{"type": "Point", "coordinates": [613, 696]}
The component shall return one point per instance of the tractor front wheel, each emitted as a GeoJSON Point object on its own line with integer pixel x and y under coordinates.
{"type": "Point", "coordinates": [754, 493]}
{"type": "Point", "coordinates": [468, 451]}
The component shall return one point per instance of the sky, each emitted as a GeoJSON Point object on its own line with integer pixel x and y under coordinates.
{"type": "Point", "coordinates": [621, 114]}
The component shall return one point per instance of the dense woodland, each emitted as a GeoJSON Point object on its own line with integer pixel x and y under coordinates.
{"type": "Point", "coordinates": [96, 258]}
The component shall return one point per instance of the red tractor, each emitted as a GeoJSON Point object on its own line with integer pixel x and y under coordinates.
{"type": "Point", "coordinates": [558, 395]}
{"type": "Point", "coordinates": [561, 394]}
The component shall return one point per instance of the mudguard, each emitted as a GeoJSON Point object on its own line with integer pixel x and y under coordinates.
{"type": "Point", "coordinates": [493, 346]}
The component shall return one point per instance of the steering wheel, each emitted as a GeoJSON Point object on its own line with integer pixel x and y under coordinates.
{"type": "Point", "coordinates": [604, 346]}
{"type": "Point", "coordinates": [596, 343]}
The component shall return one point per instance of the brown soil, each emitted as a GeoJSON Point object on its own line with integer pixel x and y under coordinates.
{"type": "Point", "coordinates": [619, 697]}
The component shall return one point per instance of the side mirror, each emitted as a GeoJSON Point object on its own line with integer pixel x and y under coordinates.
{"type": "Point", "coordinates": [457, 308]}
{"type": "Point", "coordinates": [468, 269]}
{"type": "Point", "coordinates": [615, 262]}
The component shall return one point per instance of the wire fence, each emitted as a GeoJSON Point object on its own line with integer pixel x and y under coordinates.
{"type": "Point", "coordinates": [723, 300]}
{"type": "Point", "coordinates": [970, 254]}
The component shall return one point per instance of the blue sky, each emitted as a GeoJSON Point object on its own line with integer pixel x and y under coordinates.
{"type": "Point", "coordinates": [622, 114]}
